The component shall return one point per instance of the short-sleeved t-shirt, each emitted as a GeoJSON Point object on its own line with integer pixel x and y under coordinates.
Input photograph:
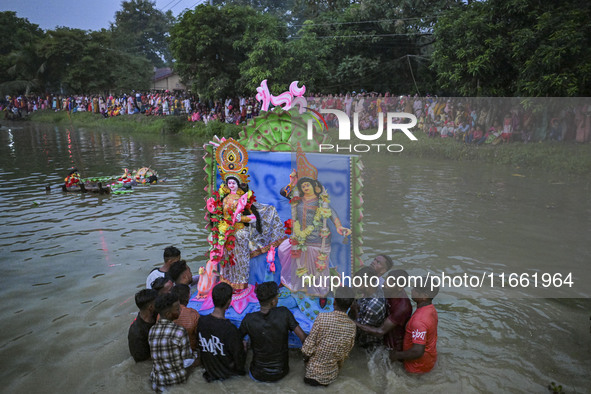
{"type": "Point", "coordinates": [269, 341]}
{"type": "Point", "coordinates": [137, 338]}
{"type": "Point", "coordinates": [154, 274]}
{"type": "Point", "coordinates": [422, 329]}
{"type": "Point", "coordinates": [399, 313]}
{"type": "Point", "coordinates": [220, 348]}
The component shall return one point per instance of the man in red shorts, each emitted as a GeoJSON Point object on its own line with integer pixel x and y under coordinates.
{"type": "Point", "coordinates": [420, 339]}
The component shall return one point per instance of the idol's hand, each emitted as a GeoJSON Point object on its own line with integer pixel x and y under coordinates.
{"type": "Point", "coordinates": [345, 232]}
{"type": "Point", "coordinates": [293, 178]}
{"type": "Point", "coordinates": [252, 218]}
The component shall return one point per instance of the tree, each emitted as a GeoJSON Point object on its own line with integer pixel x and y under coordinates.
{"type": "Point", "coordinates": [308, 59]}
{"type": "Point", "coordinates": [102, 68]}
{"type": "Point", "coordinates": [62, 49]}
{"type": "Point", "coordinates": [18, 46]}
{"type": "Point", "coordinates": [78, 61]}
{"type": "Point", "coordinates": [266, 56]}
{"type": "Point", "coordinates": [25, 71]}
{"type": "Point", "coordinates": [514, 47]}
{"type": "Point", "coordinates": [224, 51]}
{"type": "Point", "coordinates": [143, 30]}
{"type": "Point", "coordinates": [374, 44]}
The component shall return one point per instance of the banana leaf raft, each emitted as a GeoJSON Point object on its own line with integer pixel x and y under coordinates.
{"type": "Point", "coordinates": [116, 184]}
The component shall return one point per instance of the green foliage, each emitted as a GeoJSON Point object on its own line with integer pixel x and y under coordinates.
{"type": "Point", "coordinates": [310, 54]}
{"type": "Point", "coordinates": [451, 47]}
{"type": "Point", "coordinates": [224, 51]}
{"type": "Point", "coordinates": [17, 51]}
{"type": "Point", "coordinates": [215, 128]}
{"type": "Point", "coordinates": [19, 31]}
{"type": "Point", "coordinates": [513, 48]}
{"type": "Point", "coordinates": [267, 57]}
{"type": "Point", "coordinates": [74, 61]}
{"type": "Point", "coordinates": [142, 30]}
{"type": "Point", "coordinates": [555, 389]}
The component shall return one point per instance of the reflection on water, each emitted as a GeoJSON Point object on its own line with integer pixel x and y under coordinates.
{"type": "Point", "coordinates": [72, 263]}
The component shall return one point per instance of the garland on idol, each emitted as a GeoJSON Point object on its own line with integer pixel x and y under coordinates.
{"type": "Point", "coordinates": [222, 237]}
{"type": "Point", "coordinates": [323, 212]}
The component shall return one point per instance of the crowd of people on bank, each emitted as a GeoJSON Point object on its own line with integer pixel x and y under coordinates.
{"type": "Point", "coordinates": [469, 120]}
{"type": "Point", "coordinates": [177, 338]}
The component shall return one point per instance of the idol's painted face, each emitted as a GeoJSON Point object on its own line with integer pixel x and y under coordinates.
{"type": "Point", "coordinates": [232, 185]}
{"type": "Point", "coordinates": [307, 188]}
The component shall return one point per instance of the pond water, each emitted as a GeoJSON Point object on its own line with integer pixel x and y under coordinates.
{"type": "Point", "coordinates": [72, 264]}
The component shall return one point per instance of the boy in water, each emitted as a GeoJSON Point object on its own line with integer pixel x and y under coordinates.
{"type": "Point", "coordinates": [171, 255]}
{"type": "Point", "coordinates": [268, 330]}
{"type": "Point", "coordinates": [370, 309]}
{"type": "Point", "coordinates": [330, 341]}
{"type": "Point", "coordinates": [399, 312]}
{"type": "Point", "coordinates": [220, 345]}
{"type": "Point", "coordinates": [189, 317]}
{"type": "Point", "coordinates": [137, 336]}
{"type": "Point", "coordinates": [420, 339]}
{"type": "Point", "coordinates": [169, 345]}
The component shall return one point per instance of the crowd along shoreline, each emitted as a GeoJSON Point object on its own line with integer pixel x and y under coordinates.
{"type": "Point", "coordinates": [559, 158]}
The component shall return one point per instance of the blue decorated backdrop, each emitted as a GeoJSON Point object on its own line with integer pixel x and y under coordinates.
{"type": "Point", "coordinates": [269, 172]}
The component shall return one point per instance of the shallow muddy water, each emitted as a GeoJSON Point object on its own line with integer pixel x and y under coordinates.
{"type": "Point", "coordinates": [72, 264]}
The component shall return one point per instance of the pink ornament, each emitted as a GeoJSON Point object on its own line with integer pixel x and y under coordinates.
{"type": "Point", "coordinates": [283, 98]}
{"type": "Point", "coordinates": [271, 255]}
{"type": "Point", "coordinates": [264, 96]}
{"type": "Point", "coordinates": [210, 205]}
{"type": "Point", "coordinates": [295, 91]}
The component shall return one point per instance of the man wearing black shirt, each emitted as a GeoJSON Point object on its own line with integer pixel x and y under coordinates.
{"type": "Point", "coordinates": [220, 346]}
{"type": "Point", "coordinates": [137, 336]}
{"type": "Point", "coordinates": [269, 330]}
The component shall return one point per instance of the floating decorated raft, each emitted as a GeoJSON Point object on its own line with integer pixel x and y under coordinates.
{"type": "Point", "coordinates": [278, 149]}
{"type": "Point", "coordinates": [116, 184]}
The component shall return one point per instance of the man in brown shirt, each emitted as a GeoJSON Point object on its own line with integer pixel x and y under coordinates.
{"type": "Point", "coordinates": [331, 339]}
{"type": "Point", "coordinates": [189, 317]}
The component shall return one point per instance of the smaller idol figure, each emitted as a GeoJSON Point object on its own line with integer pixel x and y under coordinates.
{"type": "Point", "coordinates": [242, 228]}
{"type": "Point", "coordinates": [307, 252]}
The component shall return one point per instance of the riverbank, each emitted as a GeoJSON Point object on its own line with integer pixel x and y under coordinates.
{"type": "Point", "coordinates": [558, 157]}
{"type": "Point", "coordinates": [140, 123]}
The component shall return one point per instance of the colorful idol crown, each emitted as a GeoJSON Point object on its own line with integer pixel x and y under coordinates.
{"type": "Point", "coordinates": [305, 168]}
{"type": "Point", "coordinates": [232, 158]}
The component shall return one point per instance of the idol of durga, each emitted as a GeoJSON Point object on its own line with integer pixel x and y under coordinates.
{"type": "Point", "coordinates": [242, 228]}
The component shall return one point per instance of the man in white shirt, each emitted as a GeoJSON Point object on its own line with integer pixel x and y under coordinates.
{"type": "Point", "coordinates": [171, 255]}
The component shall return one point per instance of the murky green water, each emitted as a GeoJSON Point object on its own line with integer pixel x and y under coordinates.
{"type": "Point", "coordinates": [72, 263]}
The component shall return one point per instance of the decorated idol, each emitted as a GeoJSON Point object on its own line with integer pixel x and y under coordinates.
{"type": "Point", "coordinates": [307, 252]}
{"type": "Point", "coordinates": [241, 228]}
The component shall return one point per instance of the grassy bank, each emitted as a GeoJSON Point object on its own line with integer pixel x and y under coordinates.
{"type": "Point", "coordinates": [138, 123]}
{"type": "Point", "coordinates": [559, 157]}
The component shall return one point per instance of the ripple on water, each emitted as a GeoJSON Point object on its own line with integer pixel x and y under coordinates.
{"type": "Point", "coordinates": [437, 216]}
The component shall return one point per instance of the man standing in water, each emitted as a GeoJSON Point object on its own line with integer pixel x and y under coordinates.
{"type": "Point", "coordinates": [221, 350]}
{"type": "Point", "coordinates": [268, 330]}
{"type": "Point", "coordinates": [331, 339]}
{"type": "Point", "coordinates": [399, 312]}
{"type": "Point", "coordinates": [370, 309]}
{"type": "Point", "coordinates": [137, 336]}
{"type": "Point", "coordinates": [171, 255]}
{"type": "Point", "coordinates": [170, 345]}
{"type": "Point", "coordinates": [420, 339]}
{"type": "Point", "coordinates": [381, 264]}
